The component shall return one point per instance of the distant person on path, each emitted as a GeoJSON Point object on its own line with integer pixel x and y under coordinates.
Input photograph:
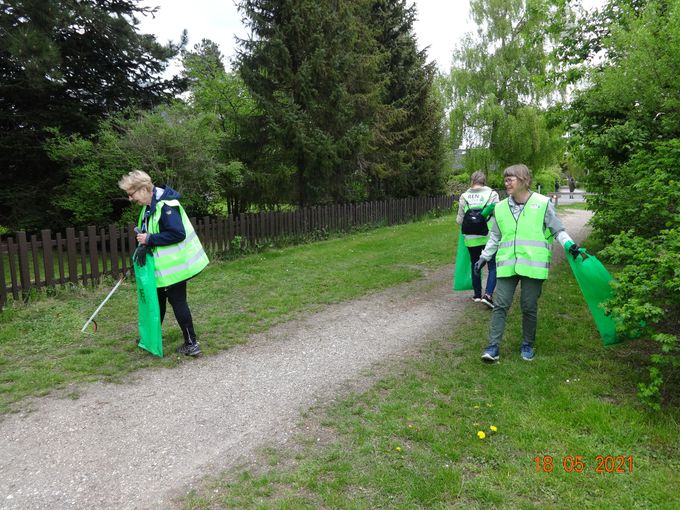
{"type": "Point", "coordinates": [557, 185]}
{"type": "Point", "coordinates": [167, 234]}
{"type": "Point", "coordinates": [478, 197]}
{"type": "Point", "coordinates": [521, 239]}
{"type": "Point", "coordinates": [572, 187]}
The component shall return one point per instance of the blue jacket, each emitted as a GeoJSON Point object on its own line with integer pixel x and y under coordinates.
{"type": "Point", "coordinates": [170, 225]}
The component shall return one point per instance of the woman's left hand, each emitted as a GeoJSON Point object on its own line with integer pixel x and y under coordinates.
{"type": "Point", "coordinates": [142, 238]}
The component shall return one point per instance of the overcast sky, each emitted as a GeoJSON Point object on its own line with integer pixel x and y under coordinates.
{"type": "Point", "coordinates": [441, 24]}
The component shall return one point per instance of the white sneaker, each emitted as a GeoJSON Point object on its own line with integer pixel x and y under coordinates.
{"type": "Point", "coordinates": [487, 300]}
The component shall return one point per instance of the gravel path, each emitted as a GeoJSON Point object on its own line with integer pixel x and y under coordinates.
{"type": "Point", "coordinates": [140, 444]}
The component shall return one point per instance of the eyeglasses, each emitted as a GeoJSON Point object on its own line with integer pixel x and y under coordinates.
{"type": "Point", "coordinates": [130, 195]}
{"type": "Point", "coordinates": [510, 179]}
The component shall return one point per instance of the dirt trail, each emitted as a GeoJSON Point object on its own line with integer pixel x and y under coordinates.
{"type": "Point", "coordinates": [139, 444]}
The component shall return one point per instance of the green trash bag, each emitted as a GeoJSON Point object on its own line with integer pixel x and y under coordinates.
{"type": "Point", "coordinates": [462, 275]}
{"type": "Point", "coordinates": [593, 279]}
{"type": "Point", "coordinates": [147, 304]}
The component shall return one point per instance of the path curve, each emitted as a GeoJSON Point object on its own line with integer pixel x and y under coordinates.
{"type": "Point", "coordinates": [139, 444]}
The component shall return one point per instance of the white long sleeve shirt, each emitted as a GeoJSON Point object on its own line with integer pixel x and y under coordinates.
{"type": "Point", "coordinates": [552, 222]}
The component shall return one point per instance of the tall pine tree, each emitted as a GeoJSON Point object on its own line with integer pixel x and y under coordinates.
{"type": "Point", "coordinates": [407, 146]}
{"type": "Point", "coordinates": [311, 65]}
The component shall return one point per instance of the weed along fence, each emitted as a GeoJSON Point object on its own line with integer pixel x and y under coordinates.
{"type": "Point", "coordinates": [33, 262]}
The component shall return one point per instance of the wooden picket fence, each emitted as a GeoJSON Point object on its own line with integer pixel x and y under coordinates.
{"type": "Point", "coordinates": [85, 256]}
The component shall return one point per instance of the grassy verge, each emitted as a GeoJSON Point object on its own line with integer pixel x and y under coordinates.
{"type": "Point", "coordinates": [412, 440]}
{"type": "Point", "coordinates": [42, 348]}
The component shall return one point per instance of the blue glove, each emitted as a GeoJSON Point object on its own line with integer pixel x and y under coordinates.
{"type": "Point", "coordinates": [479, 265]}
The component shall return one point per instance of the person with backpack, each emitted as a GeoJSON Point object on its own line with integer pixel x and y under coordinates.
{"type": "Point", "coordinates": [521, 240]}
{"type": "Point", "coordinates": [474, 208]}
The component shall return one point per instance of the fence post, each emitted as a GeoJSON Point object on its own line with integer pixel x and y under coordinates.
{"type": "Point", "coordinates": [3, 286]}
{"type": "Point", "coordinates": [36, 262]}
{"type": "Point", "coordinates": [12, 256]}
{"type": "Point", "coordinates": [71, 255]}
{"type": "Point", "coordinates": [60, 259]}
{"type": "Point", "coordinates": [113, 249]}
{"type": "Point", "coordinates": [104, 255]}
{"type": "Point", "coordinates": [48, 259]}
{"type": "Point", "coordinates": [94, 255]}
{"type": "Point", "coordinates": [83, 256]}
{"type": "Point", "coordinates": [24, 274]}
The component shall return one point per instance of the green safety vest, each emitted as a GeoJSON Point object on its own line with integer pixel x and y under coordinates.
{"type": "Point", "coordinates": [526, 245]}
{"type": "Point", "coordinates": [175, 262]}
{"type": "Point", "coordinates": [476, 200]}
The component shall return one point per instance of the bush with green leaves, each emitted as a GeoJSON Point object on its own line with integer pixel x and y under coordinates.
{"type": "Point", "coordinates": [647, 302]}
{"type": "Point", "coordinates": [642, 195]}
{"type": "Point", "coordinates": [173, 144]}
{"type": "Point", "coordinates": [643, 199]}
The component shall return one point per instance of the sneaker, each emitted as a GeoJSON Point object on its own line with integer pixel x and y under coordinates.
{"type": "Point", "coordinates": [527, 353]}
{"type": "Point", "coordinates": [476, 299]}
{"type": "Point", "coordinates": [189, 349]}
{"type": "Point", "coordinates": [490, 355]}
{"type": "Point", "coordinates": [488, 301]}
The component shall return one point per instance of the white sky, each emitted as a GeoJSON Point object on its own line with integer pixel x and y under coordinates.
{"type": "Point", "coordinates": [440, 24]}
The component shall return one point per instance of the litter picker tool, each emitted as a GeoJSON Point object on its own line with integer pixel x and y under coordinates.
{"type": "Point", "coordinates": [114, 289]}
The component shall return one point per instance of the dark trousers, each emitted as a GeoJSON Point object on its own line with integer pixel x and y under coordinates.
{"type": "Point", "coordinates": [177, 295]}
{"type": "Point", "coordinates": [475, 252]}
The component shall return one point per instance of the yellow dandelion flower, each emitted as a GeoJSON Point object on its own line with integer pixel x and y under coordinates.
{"type": "Point", "coordinates": [476, 407]}
{"type": "Point", "coordinates": [481, 434]}
{"type": "Point", "coordinates": [398, 448]}
{"type": "Point", "coordinates": [493, 428]}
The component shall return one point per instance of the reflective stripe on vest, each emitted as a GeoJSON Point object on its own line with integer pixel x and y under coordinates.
{"type": "Point", "coordinates": [525, 248]}
{"type": "Point", "coordinates": [176, 262]}
{"type": "Point", "coordinates": [476, 200]}
{"type": "Point", "coordinates": [475, 240]}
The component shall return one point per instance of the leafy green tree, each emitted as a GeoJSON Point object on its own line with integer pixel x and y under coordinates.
{"type": "Point", "coordinates": [583, 37]}
{"type": "Point", "coordinates": [252, 173]}
{"type": "Point", "coordinates": [500, 82]}
{"type": "Point", "coordinates": [312, 68]}
{"type": "Point", "coordinates": [632, 102]}
{"type": "Point", "coordinates": [66, 65]}
{"type": "Point", "coordinates": [624, 129]}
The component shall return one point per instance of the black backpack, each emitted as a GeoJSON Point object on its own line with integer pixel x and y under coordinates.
{"type": "Point", "coordinates": [474, 223]}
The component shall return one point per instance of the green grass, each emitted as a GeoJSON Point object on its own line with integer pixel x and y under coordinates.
{"type": "Point", "coordinates": [411, 441]}
{"type": "Point", "coordinates": [573, 205]}
{"type": "Point", "coordinates": [42, 348]}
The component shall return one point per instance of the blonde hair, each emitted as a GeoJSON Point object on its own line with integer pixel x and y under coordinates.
{"type": "Point", "coordinates": [478, 178]}
{"type": "Point", "coordinates": [135, 181]}
{"type": "Point", "coordinates": [520, 171]}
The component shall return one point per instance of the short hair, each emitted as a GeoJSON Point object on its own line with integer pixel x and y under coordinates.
{"type": "Point", "coordinates": [520, 171]}
{"type": "Point", "coordinates": [478, 178]}
{"type": "Point", "coordinates": [134, 181]}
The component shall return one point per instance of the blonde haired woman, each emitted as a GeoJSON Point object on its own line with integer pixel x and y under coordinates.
{"type": "Point", "coordinates": [165, 232]}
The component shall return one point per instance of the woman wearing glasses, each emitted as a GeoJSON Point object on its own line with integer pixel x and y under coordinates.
{"type": "Point", "coordinates": [166, 232]}
{"type": "Point", "coordinates": [521, 239]}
